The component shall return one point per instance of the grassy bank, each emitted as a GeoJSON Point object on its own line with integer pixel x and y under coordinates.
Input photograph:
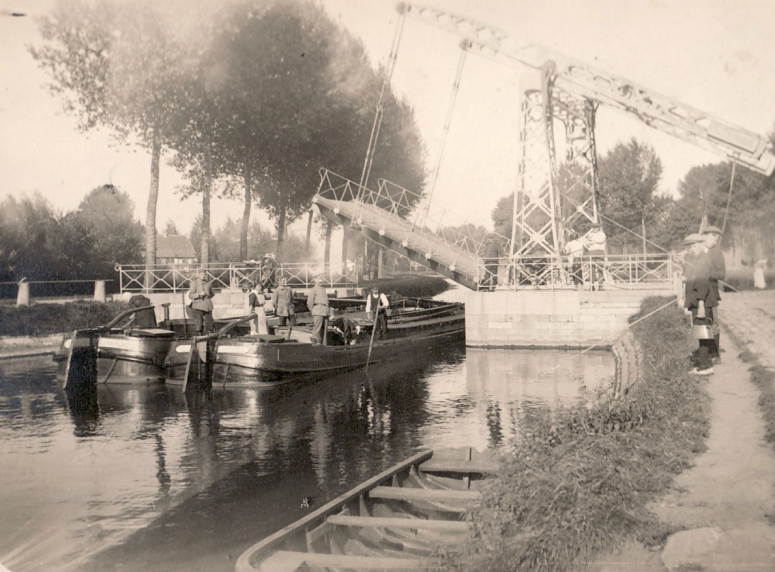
{"type": "Point", "coordinates": [764, 379]}
{"type": "Point", "coordinates": [578, 481]}
{"type": "Point", "coordinates": [46, 319]}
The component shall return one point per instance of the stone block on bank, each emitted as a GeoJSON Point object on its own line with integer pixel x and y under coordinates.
{"type": "Point", "coordinates": [691, 549]}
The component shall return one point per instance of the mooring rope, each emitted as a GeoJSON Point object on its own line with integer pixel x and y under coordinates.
{"type": "Point", "coordinates": [729, 194]}
{"type": "Point", "coordinates": [605, 340]}
{"type": "Point", "coordinates": [110, 372]}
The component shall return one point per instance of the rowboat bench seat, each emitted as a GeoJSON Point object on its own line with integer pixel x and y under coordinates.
{"type": "Point", "coordinates": [414, 523]}
{"type": "Point", "coordinates": [480, 466]}
{"type": "Point", "coordinates": [403, 493]}
{"type": "Point", "coordinates": [288, 561]}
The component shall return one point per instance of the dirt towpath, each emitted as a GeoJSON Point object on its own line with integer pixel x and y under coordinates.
{"type": "Point", "coordinates": [723, 501]}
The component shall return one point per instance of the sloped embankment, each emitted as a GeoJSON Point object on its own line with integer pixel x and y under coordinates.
{"type": "Point", "coordinates": [579, 480]}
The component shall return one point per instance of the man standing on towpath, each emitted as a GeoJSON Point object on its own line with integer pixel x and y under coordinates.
{"type": "Point", "coordinates": [718, 271]}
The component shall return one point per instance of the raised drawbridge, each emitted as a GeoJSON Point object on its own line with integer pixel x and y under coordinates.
{"type": "Point", "coordinates": [559, 94]}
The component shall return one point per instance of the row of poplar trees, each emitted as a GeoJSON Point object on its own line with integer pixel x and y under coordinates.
{"type": "Point", "coordinates": [246, 98]}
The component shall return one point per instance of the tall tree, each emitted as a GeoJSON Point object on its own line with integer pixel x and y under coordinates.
{"type": "Point", "coordinates": [629, 175]}
{"type": "Point", "coordinates": [114, 64]}
{"type": "Point", "coordinates": [303, 94]}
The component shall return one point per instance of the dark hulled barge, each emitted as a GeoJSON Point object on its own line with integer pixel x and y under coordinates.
{"type": "Point", "coordinates": [289, 354]}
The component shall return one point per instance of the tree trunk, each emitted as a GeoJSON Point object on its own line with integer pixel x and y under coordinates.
{"type": "Point", "coordinates": [327, 253]}
{"type": "Point", "coordinates": [150, 213]}
{"type": "Point", "coordinates": [643, 231]}
{"type": "Point", "coordinates": [280, 229]}
{"type": "Point", "coordinates": [206, 181]}
{"type": "Point", "coordinates": [243, 234]}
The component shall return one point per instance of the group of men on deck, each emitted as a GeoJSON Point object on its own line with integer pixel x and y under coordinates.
{"type": "Point", "coordinates": [200, 309]}
{"type": "Point", "coordinates": [703, 267]}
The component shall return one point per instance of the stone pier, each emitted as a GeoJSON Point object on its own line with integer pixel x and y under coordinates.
{"type": "Point", "coordinates": [550, 319]}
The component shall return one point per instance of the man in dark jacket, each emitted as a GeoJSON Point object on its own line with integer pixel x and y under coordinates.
{"type": "Point", "coordinates": [701, 300]}
{"type": "Point", "coordinates": [492, 255]}
{"type": "Point", "coordinates": [718, 271]}
{"type": "Point", "coordinates": [201, 307]}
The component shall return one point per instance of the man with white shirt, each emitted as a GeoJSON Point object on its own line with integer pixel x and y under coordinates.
{"type": "Point", "coordinates": [596, 245]}
{"type": "Point", "coordinates": [574, 249]}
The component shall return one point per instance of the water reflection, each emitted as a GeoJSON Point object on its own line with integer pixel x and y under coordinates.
{"type": "Point", "coordinates": [93, 480]}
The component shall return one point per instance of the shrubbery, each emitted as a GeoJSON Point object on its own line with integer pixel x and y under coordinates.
{"type": "Point", "coordinates": [578, 480]}
{"type": "Point", "coordinates": [46, 319]}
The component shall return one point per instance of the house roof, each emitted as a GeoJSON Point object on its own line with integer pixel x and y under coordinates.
{"type": "Point", "coordinates": [174, 246]}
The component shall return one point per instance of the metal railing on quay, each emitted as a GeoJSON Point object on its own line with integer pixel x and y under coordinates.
{"type": "Point", "coordinates": [613, 271]}
{"type": "Point", "coordinates": [231, 275]}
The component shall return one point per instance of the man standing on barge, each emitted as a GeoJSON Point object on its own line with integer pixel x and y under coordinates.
{"type": "Point", "coordinates": [317, 302]}
{"type": "Point", "coordinates": [376, 305]}
{"type": "Point", "coordinates": [201, 307]}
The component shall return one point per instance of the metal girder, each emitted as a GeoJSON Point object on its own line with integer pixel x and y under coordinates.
{"type": "Point", "coordinates": [549, 203]}
{"type": "Point", "coordinates": [576, 77]}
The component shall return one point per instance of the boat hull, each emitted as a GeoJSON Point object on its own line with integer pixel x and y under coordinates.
{"type": "Point", "coordinates": [134, 357]}
{"type": "Point", "coordinates": [273, 360]}
{"type": "Point", "coordinates": [398, 519]}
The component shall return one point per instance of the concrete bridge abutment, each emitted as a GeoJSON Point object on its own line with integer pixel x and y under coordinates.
{"type": "Point", "coordinates": [550, 319]}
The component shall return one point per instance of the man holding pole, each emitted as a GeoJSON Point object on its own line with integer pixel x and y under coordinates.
{"type": "Point", "coordinates": [376, 306]}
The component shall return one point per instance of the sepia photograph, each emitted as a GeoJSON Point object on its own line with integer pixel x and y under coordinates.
{"type": "Point", "coordinates": [455, 285]}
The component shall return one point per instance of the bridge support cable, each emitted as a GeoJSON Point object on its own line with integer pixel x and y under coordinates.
{"type": "Point", "coordinates": [378, 115]}
{"type": "Point", "coordinates": [729, 195]}
{"type": "Point", "coordinates": [445, 130]}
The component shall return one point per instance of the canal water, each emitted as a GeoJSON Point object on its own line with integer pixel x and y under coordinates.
{"type": "Point", "coordinates": [147, 478]}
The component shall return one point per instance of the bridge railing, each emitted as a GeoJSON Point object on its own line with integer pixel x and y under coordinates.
{"type": "Point", "coordinates": [613, 271]}
{"type": "Point", "coordinates": [229, 275]}
{"type": "Point", "coordinates": [408, 214]}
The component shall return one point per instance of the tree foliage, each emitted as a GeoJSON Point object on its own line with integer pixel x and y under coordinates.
{"type": "Point", "coordinates": [629, 175]}
{"type": "Point", "coordinates": [40, 244]}
{"type": "Point", "coordinates": [705, 192]}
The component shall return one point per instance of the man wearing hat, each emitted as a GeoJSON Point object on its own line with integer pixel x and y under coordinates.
{"type": "Point", "coordinates": [693, 246]}
{"type": "Point", "coordinates": [718, 271]}
{"type": "Point", "coordinates": [376, 304]}
{"type": "Point", "coordinates": [282, 301]}
{"type": "Point", "coordinates": [701, 299]}
{"type": "Point", "coordinates": [268, 271]}
{"type": "Point", "coordinates": [201, 307]}
{"type": "Point", "coordinates": [492, 255]}
{"type": "Point", "coordinates": [317, 302]}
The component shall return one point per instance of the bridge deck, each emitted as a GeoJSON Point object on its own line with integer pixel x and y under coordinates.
{"type": "Point", "coordinates": [420, 244]}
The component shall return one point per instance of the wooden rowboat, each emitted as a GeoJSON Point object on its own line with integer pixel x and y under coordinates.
{"type": "Point", "coordinates": [400, 519]}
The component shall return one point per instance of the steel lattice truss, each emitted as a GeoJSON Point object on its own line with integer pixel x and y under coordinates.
{"type": "Point", "coordinates": [550, 203]}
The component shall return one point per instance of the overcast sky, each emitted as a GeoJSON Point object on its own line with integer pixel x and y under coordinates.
{"type": "Point", "coordinates": [715, 55]}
